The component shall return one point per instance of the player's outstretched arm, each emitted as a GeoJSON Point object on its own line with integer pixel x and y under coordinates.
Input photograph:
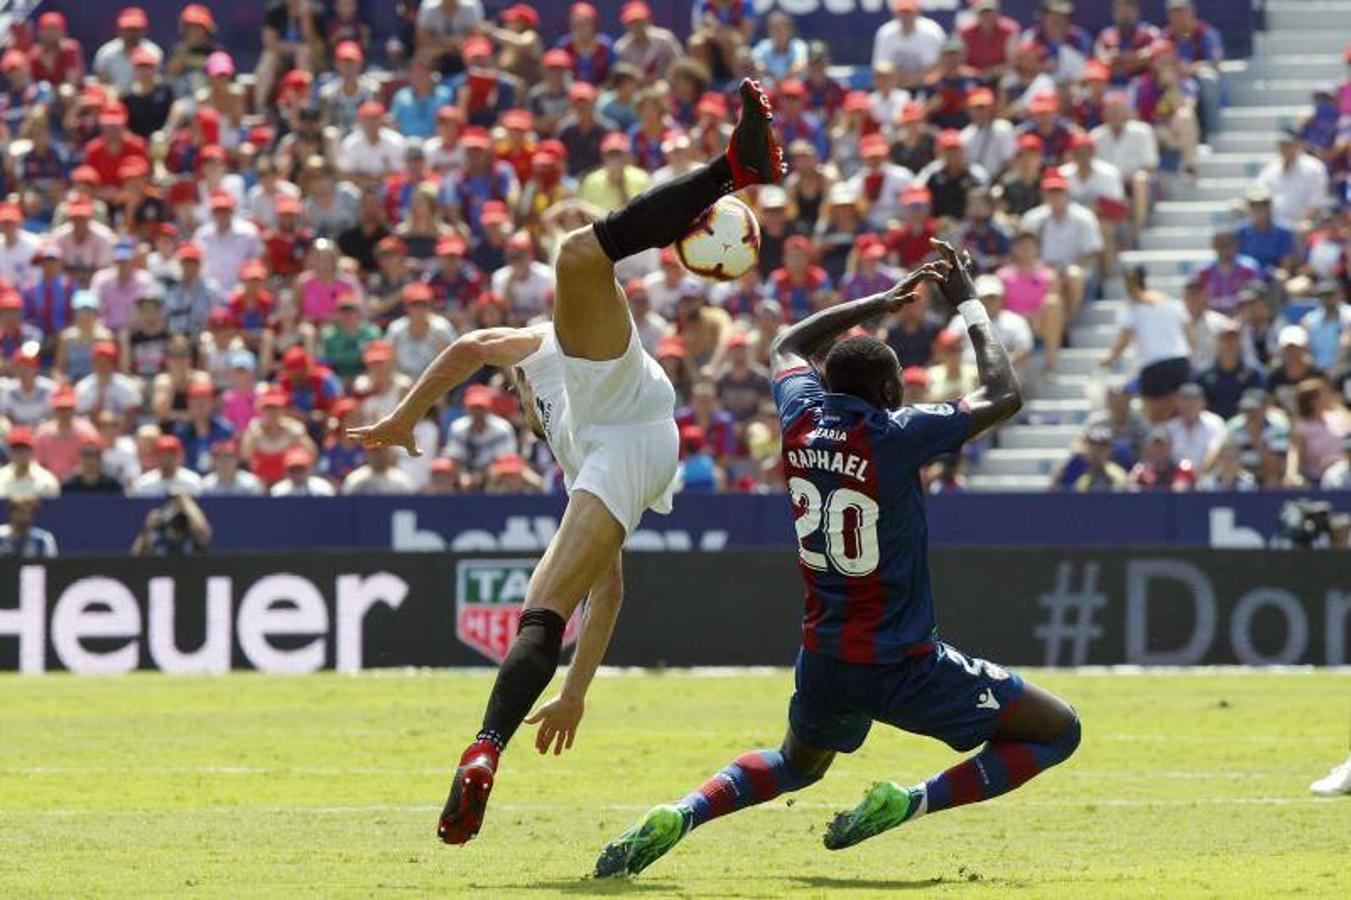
{"type": "Point", "coordinates": [452, 366]}
{"type": "Point", "coordinates": [558, 719]}
{"type": "Point", "coordinates": [799, 343]}
{"type": "Point", "coordinates": [999, 395]}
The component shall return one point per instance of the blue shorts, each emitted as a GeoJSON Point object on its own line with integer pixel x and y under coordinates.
{"type": "Point", "coordinates": [941, 694]}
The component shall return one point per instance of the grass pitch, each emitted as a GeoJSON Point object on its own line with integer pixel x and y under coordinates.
{"type": "Point", "coordinates": [329, 786]}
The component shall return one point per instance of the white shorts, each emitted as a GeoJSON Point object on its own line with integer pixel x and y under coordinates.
{"type": "Point", "coordinates": [622, 415]}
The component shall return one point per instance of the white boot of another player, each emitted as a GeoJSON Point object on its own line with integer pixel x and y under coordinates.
{"type": "Point", "coordinates": [1336, 782]}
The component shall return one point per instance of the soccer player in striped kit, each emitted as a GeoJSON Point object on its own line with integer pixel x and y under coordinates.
{"type": "Point", "coordinates": [870, 652]}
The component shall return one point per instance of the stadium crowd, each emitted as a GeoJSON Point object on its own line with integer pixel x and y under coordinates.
{"type": "Point", "coordinates": [208, 273]}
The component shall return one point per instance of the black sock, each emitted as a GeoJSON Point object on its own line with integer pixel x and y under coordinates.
{"type": "Point", "coordinates": [524, 674]}
{"type": "Point", "coordinates": [660, 215]}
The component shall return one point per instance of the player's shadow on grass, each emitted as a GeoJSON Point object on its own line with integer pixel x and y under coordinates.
{"type": "Point", "coordinates": [827, 882]}
{"type": "Point", "coordinates": [594, 887]}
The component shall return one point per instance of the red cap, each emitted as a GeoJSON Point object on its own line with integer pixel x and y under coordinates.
{"type": "Point", "coordinates": [80, 208]}
{"type": "Point", "coordinates": [494, 212]}
{"type": "Point", "coordinates": [875, 250]}
{"type": "Point", "coordinates": [377, 352]}
{"type": "Point", "coordinates": [476, 137]}
{"type": "Point", "coordinates": [450, 114]}
{"type": "Point", "coordinates": [10, 212]}
{"type": "Point", "coordinates": [225, 447]}
{"type": "Point", "coordinates": [201, 389]}
{"type": "Point", "coordinates": [253, 268]}
{"type": "Point", "coordinates": [52, 20]}
{"type": "Point", "coordinates": [132, 17]}
{"type": "Point", "coordinates": [344, 407]}
{"type": "Point", "coordinates": [857, 101]}
{"type": "Point", "coordinates": [557, 58]}
{"type": "Point", "coordinates": [142, 56]}
{"type": "Point", "coordinates": [168, 443]}
{"type": "Point", "coordinates": [476, 46]}
{"type": "Point", "coordinates": [13, 59]}
{"type": "Point", "coordinates": [212, 151]}
{"type": "Point", "coordinates": [416, 292]}
{"type": "Point", "coordinates": [521, 13]}
{"type": "Point", "coordinates": [635, 11]}
{"type": "Point", "coordinates": [24, 357]}
{"type": "Point", "coordinates": [348, 301]}
{"type": "Point", "coordinates": [63, 397]}
{"type": "Point", "coordinates": [1032, 142]}
{"type": "Point", "coordinates": [274, 399]}
{"type": "Point", "coordinates": [452, 245]}
{"type": "Point", "coordinates": [349, 50]}
{"type": "Point", "coordinates": [518, 120]}
{"type": "Point", "coordinates": [85, 174]}
{"type": "Point", "coordinates": [189, 250]}
{"type": "Point", "coordinates": [911, 6]}
{"type": "Point", "coordinates": [581, 90]}
{"type": "Point", "coordinates": [197, 14]}
{"type": "Point", "coordinates": [1043, 102]}
{"type": "Point", "coordinates": [508, 464]}
{"type": "Point", "coordinates": [297, 458]}
{"type": "Point", "coordinates": [1029, 46]}
{"type": "Point", "coordinates": [738, 339]}
{"type": "Point", "coordinates": [520, 241]}
{"type": "Point", "coordinates": [916, 376]}
{"type": "Point", "coordinates": [692, 436]}
{"type": "Point", "coordinates": [668, 257]}
{"type": "Point", "coordinates": [949, 139]}
{"type": "Point", "coordinates": [286, 205]}
{"type": "Point", "coordinates": [392, 244]}
{"type": "Point", "coordinates": [792, 87]}
{"type": "Point", "coordinates": [114, 114]}
{"type": "Point", "coordinates": [295, 359]}
{"type": "Point", "coordinates": [1081, 139]}
{"type": "Point", "coordinates": [1097, 70]}
{"type": "Point", "coordinates": [980, 97]}
{"type": "Point", "coordinates": [19, 436]}
{"type": "Point", "coordinates": [1054, 181]}
{"type": "Point", "coordinates": [105, 350]}
{"type": "Point", "coordinates": [873, 146]}
{"type": "Point", "coordinates": [712, 104]}
{"type": "Point", "coordinates": [479, 395]}
{"type": "Point", "coordinates": [915, 195]}
{"type": "Point", "coordinates": [585, 10]}
{"type": "Point", "coordinates": [615, 141]}
{"type": "Point", "coordinates": [297, 80]}
{"type": "Point", "coordinates": [443, 465]}
{"type": "Point", "coordinates": [672, 347]}
{"type": "Point", "coordinates": [220, 317]}
{"type": "Point", "coordinates": [911, 112]}
{"type": "Point", "coordinates": [371, 109]}
{"type": "Point", "coordinates": [799, 242]}
{"type": "Point", "coordinates": [10, 299]}
{"type": "Point", "coordinates": [947, 339]}
{"type": "Point", "coordinates": [221, 200]}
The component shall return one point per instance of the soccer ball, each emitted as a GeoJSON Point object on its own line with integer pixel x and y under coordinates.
{"type": "Point", "coordinates": [723, 244]}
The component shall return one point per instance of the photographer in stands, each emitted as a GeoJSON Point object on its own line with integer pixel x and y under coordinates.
{"type": "Point", "coordinates": [178, 527]}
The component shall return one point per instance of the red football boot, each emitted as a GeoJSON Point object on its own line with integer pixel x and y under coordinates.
{"type": "Point", "coordinates": [754, 152]}
{"type": "Point", "coordinates": [468, 801]}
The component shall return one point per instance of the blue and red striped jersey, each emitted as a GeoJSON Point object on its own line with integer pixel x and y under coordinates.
{"type": "Point", "coordinates": [858, 507]}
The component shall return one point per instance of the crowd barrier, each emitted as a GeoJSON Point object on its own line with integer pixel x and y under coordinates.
{"type": "Point", "coordinates": [847, 26]}
{"type": "Point", "coordinates": [302, 612]}
{"type": "Point", "coordinates": [708, 522]}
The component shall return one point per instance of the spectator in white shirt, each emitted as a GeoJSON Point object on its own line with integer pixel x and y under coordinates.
{"type": "Point", "coordinates": [372, 151]}
{"type": "Point", "coordinates": [1196, 432]}
{"type": "Point", "coordinates": [1013, 330]}
{"type": "Point", "coordinates": [169, 476]}
{"type": "Point", "coordinates": [1131, 146]}
{"type": "Point", "coordinates": [990, 141]}
{"type": "Point", "coordinates": [524, 282]}
{"type": "Point", "coordinates": [17, 248]}
{"type": "Point", "coordinates": [1298, 181]}
{"type": "Point", "coordinates": [1098, 186]}
{"type": "Point", "coordinates": [226, 242]}
{"type": "Point", "coordinates": [378, 476]}
{"type": "Point", "coordinates": [1204, 324]}
{"type": "Point", "coordinates": [226, 478]}
{"type": "Point", "coordinates": [112, 62]}
{"type": "Point", "coordinates": [667, 285]}
{"type": "Point", "coordinates": [879, 181]}
{"type": "Point", "coordinates": [298, 482]}
{"type": "Point", "coordinates": [478, 437]}
{"type": "Point", "coordinates": [910, 43]}
{"type": "Point", "coordinates": [1071, 239]}
{"type": "Point", "coordinates": [26, 398]}
{"type": "Point", "coordinates": [105, 388]}
{"type": "Point", "coordinates": [420, 334]}
{"type": "Point", "coordinates": [22, 474]}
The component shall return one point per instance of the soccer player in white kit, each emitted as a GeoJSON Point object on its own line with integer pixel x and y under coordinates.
{"type": "Point", "coordinates": [607, 411]}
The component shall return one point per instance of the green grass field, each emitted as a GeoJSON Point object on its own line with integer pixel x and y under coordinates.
{"type": "Point", "coordinates": [329, 786]}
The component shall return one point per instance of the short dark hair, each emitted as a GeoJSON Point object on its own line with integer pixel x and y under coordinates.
{"type": "Point", "coordinates": [860, 366]}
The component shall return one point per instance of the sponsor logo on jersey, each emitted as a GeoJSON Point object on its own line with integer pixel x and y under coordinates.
{"type": "Point", "coordinates": [489, 594]}
{"type": "Point", "coordinates": [935, 409]}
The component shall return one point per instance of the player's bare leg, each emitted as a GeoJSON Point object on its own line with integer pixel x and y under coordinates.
{"type": "Point", "coordinates": [1034, 734]}
{"type": "Point", "coordinates": [750, 779]}
{"type": "Point", "coordinates": [588, 539]}
{"type": "Point", "coordinates": [592, 322]}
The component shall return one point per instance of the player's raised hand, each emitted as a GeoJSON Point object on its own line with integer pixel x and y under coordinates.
{"type": "Point", "coordinates": [904, 292]}
{"type": "Point", "coordinates": [958, 286]}
{"type": "Point", "coordinates": [558, 720]}
{"type": "Point", "coordinates": [388, 432]}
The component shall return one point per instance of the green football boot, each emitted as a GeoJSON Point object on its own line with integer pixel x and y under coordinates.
{"type": "Point", "coordinates": [644, 843]}
{"type": "Point", "coordinates": [885, 806]}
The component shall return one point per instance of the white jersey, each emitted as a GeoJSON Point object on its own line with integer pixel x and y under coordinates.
{"type": "Point", "coordinates": [610, 424]}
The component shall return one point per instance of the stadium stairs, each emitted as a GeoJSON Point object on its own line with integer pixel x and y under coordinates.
{"type": "Point", "coordinates": [1301, 48]}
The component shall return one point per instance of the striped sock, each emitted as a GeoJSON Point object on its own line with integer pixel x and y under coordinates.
{"type": "Point", "coordinates": [751, 778]}
{"type": "Point", "coordinates": [997, 769]}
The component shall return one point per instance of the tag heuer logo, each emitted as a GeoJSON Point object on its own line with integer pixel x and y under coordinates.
{"type": "Point", "coordinates": [488, 598]}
